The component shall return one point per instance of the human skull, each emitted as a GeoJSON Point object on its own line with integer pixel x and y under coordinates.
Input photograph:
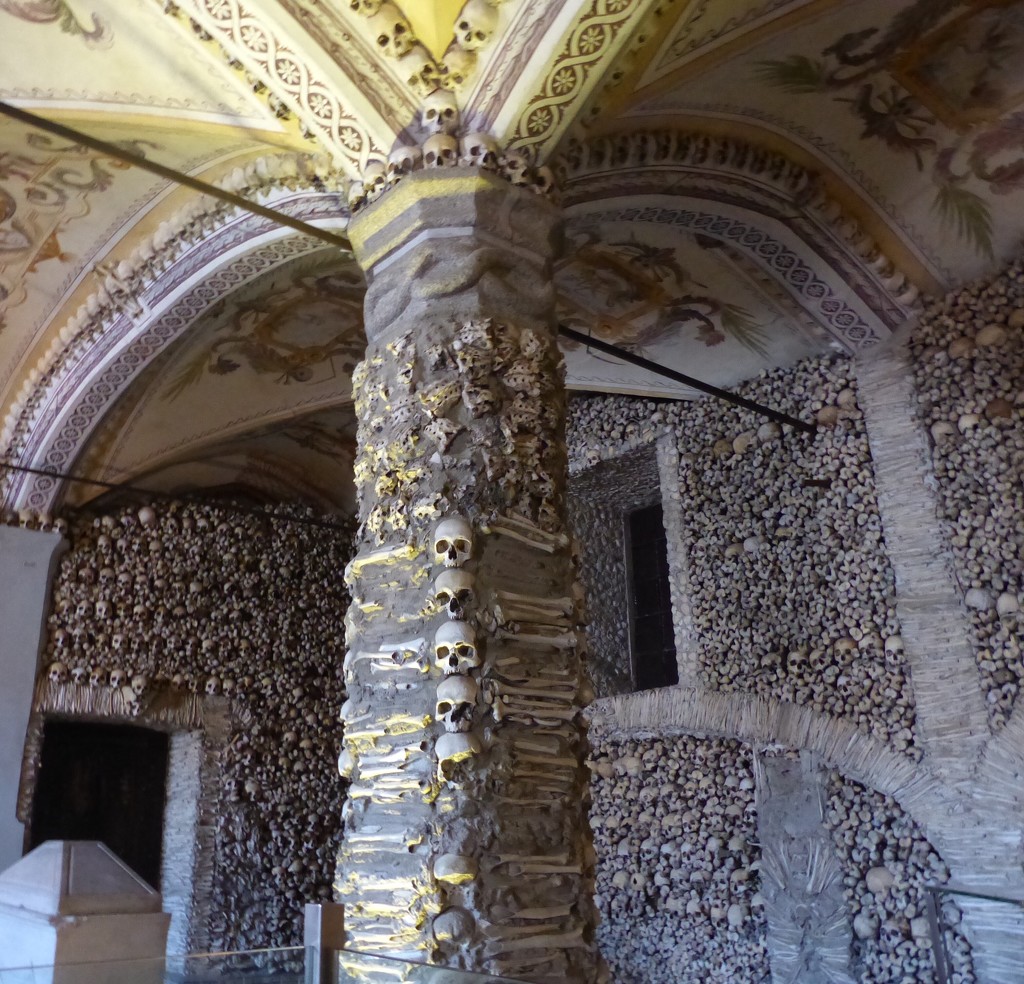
{"type": "Point", "coordinates": [58, 673]}
{"type": "Point", "coordinates": [476, 24]}
{"type": "Point", "coordinates": [455, 649]}
{"type": "Point", "coordinates": [544, 183]}
{"type": "Point", "coordinates": [515, 165]}
{"type": "Point", "coordinates": [139, 684]}
{"type": "Point", "coordinates": [365, 7]}
{"type": "Point", "coordinates": [456, 695]}
{"type": "Point", "coordinates": [375, 180]}
{"type": "Point", "coordinates": [440, 113]}
{"type": "Point", "coordinates": [27, 519]}
{"type": "Point", "coordinates": [453, 925]}
{"type": "Point", "coordinates": [479, 150]}
{"type": "Point", "coordinates": [440, 150]}
{"type": "Point", "coordinates": [104, 609]}
{"type": "Point", "coordinates": [80, 675]}
{"type": "Point", "coordinates": [452, 749]}
{"type": "Point", "coordinates": [392, 31]}
{"type": "Point", "coordinates": [83, 609]}
{"type": "Point", "coordinates": [402, 161]}
{"type": "Point", "coordinates": [891, 934]}
{"type": "Point", "coordinates": [459, 65]}
{"type": "Point", "coordinates": [453, 591]}
{"type": "Point", "coordinates": [453, 542]}
{"type": "Point", "coordinates": [356, 195]}
{"type": "Point", "coordinates": [118, 679]}
{"type": "Point", "coordinates": [97, 676]}
{"type": "Point", "coordinates": [212, 686]}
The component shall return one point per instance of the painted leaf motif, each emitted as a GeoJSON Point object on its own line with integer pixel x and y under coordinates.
{"type": "Point", "coordinates": [968, 214]}
{"type": "Point", "coordinates": [738, 323]}
{"type": "Point", "coordinates": [797, 74]}
{"type": "Point", "coordinates": [189, 375]}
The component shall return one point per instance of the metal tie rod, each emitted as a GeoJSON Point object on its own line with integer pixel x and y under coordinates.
{"type": "Point", "coordinates": [119, 153]}
{"type": "Point", "coordinates": [153, 494]}
{"type": "Point", "coordinates": [678, 377]}
{"type": "Point", "coordinates": [129, 157]}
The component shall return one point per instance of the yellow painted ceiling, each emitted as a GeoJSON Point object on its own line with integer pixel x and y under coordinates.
{"type": "Point", "coordinates": [433, 22]}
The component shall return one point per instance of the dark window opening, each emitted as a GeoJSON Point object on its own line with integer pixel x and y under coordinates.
{"type": "Point", "coordinates": [104, 782]}
{"type": "Point", "coordinates": [650, 603]}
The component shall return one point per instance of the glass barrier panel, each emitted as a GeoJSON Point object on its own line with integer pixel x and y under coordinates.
{"type": "Point", "coordinates": [364, 968]}
{"type": "Point", "coordinates": [280, 966]}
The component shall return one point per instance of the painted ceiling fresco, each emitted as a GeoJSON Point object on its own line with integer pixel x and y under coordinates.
{"type": "Point", "coordinates": [779, 177]}
{"type": "Point", "coordinates": [679, 299]}
{"type": "Point", "coordinates": [283, 347]}
{"type": "Point", "coordinates": [917, 104]}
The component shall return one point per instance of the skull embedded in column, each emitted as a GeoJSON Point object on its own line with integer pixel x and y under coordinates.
{"type": "Point", "coordinates": [453, 591]}
{"type": "Point", "coordinates": [440, 112]}
{"type": "Point", "coordinates": [440, 150]}
{"type": "Point", "coordinates": [476, 24]}
{"type": "Point", "coordinates": [453, 542]}
{"type": "Point", "coordinates": [455, 648]}
{"type": "Point", "coordinates": [456, 697]}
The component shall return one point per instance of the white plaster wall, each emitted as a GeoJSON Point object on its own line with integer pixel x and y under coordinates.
{"type": "Point", "coordinates": [27, 559]}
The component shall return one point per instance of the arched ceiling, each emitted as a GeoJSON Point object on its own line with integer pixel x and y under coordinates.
{"type": "Point", "coordinates": [746, 182]}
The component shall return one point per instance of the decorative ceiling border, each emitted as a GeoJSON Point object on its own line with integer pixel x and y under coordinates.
{"type": "Point", "coordinates": [250, 42]}
{"type": "Point", "coordinates": [750, 177]}
{"type": "Point", "coordinates": [138, 310]}
{"type": "Point", "coordinates": [593, 42]}
{"type": "Point", "coordinates": [325, 24]}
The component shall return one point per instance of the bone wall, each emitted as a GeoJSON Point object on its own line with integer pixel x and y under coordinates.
{"type": "Point", "coordinates": [886, 862]}
{"type": "Point", "coordinates": [968, 358]}
{"type": "Point", "coordinates": [599, 500]}
{"type": "Point", "coordinates": [677, 881]}
{"type": "Point", "coordinates": [173, 615]}
{"type": "Point", "coordinates": [791, 592]}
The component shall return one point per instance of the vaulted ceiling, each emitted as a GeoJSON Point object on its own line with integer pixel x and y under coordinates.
{"type": "Point", "coordinates": [745, 182]}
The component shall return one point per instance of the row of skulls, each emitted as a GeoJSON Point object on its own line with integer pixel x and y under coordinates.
{"type": "Point", "coordinates": [456, 649]}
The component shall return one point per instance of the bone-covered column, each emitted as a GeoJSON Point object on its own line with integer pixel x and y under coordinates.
{"type": "Point", "coordinates": [465, 833]}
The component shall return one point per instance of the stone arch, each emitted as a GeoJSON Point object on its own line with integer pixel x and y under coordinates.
{"type": "Point", "coordinates": [134, 316]}
{"type": "Point", "coordinates": [765, 721]}
{"type": "Point", "coordinates": [756, 201]}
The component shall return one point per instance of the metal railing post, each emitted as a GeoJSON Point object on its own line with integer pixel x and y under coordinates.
{"type": "Point", "coordinates": [938, 938]}
{"type": "Point", "coordinates": [323, 935]}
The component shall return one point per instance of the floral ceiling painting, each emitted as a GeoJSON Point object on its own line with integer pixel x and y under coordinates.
{"type": "Point", "coordinates": [918, 104]}
{"type": "Point", "coordinates": [46, 186]}
{"type": "Point", "coordinates": [685, 300]}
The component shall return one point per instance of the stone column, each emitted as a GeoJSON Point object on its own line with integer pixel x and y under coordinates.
{"type": "Point", "coordinates": [465, 833]}
{"type": "Point", "coordinates": [28, 559]}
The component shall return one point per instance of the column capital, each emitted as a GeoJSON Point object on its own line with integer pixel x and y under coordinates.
{"type": "Point", "coordinates": [462, 238]}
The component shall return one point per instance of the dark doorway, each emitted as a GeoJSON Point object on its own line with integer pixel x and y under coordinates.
{"type": "Point", "coordinates": [653, 633]}
{"type": "Point", "coordinates": [104, 782]}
